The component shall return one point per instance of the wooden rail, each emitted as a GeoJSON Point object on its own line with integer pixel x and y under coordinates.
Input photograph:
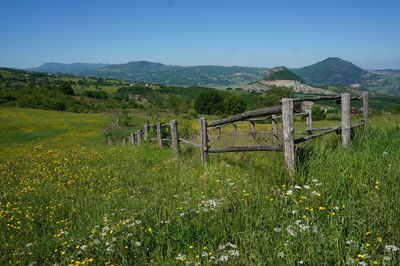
{"type": "Point", "coordinates": [289, 108]}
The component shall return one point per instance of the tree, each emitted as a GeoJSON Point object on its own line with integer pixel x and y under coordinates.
{"type": "Point", "coordinates": [209, 102]}
{"type": "Point", "coordinates": [275, 94]}
{"type": "Point", "coordinates": [234, 105]}
{"type": "Point", "coordinates": [66, 88]}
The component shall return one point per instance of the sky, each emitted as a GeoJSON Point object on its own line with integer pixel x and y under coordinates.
{"type": "Point", "coordinates": [265, 33]}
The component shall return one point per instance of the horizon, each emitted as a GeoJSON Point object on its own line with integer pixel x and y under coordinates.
{"type": "Point", "coordinates": [193, 33]}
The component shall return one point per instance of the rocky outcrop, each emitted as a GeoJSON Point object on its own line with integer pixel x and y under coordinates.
{"type": "Point", "coordinates": [296, 86]}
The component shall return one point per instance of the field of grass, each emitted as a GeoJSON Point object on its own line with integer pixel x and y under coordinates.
{"type": "Point", "coordinates": [68, 198]}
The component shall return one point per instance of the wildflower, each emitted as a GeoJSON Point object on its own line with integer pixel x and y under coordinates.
{"type": "Point", "coordinates": [190, 247]}
{"type": "Point", "coordinates": [306, 187]}
{"type": "Point", "coordinates": [368, 244]}
{"type": "Point", "coordinates": [234, 253]}
{"type": "Point", "coordinates": [386, 258]}
{"type": "Point", "coordinates": [223, 258]}
{"type": "Point", "coordinates": [361, 256]}
{"type": "Point", "coordinates": [368, 233]}
{"type": "Point", "coordinates": [289, 192]}
{"type": "Point", "coordinates": [375, 262]}
{"type": "Point", "coordinates": [301, 262]}
{"type": "Point", "coordinates": [391, 248]}
{"type": "Point", "coordinates": [277, 230]}
{"type": "Point", "coordinates": [281, 254]}
{"type": "Point", "coordinates": [297, 187]}
{"type": "Point", "coordinates": [322, 208]}
{"type": "Point", "coordinates": [138, 244]}
{"type": "Point", "coordinates": [149, 230]}
{"type": "Point", "coordinates": [379, 239]}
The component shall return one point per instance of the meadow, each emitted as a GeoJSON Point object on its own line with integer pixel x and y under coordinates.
{"type": "Point", "coordinates": [67, 198]}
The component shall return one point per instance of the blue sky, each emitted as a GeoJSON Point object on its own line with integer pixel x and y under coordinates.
{"type": "Point", "coordinates": [200, 32]}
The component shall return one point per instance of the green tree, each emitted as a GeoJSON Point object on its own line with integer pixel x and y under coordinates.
{"type": "Point", "coordinates": [234, 105]}
{"type": "Point", "coordinates": [275, 94]}
{"type": "Point", "coordinates": [66, 88]}
{"type": "Point", "coordinates": [209, 102]}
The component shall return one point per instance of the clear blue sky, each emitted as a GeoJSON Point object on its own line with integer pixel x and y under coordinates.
{"type": "Point", "coordinates": [200, 32]}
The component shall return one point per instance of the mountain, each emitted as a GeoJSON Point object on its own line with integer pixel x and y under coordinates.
{"type": "Point", "coordinates": [179, 75]}
{"type": "Point", "coordinates": [331, 71]}
{"type": "Point", "coordinates": [281, 73]}
{"type": "Point", "coordinates": [74, 68]}
{"type": "Point", "coordinates": [283, 77]}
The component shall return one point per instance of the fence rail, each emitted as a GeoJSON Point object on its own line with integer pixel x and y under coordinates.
{"type": "Point", "coordinates": [289, 108]}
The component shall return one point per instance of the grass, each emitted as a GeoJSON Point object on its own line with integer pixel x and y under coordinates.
{"type": "Point", "coordinates": [67, 198]}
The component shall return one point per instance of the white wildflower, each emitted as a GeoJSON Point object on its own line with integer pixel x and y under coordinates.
{"type": "Point", "coordinates": [391, 248]}
{"type": "Point", "coordinates": [231, 184]}
{"type": "Point", "coordinates": [204, 254]}
{"type": "Point", "coordinates": [234, 253]}
{"type": "Point", "coordinates": [386, 258]}
{"type": "Point", "coordinates": [290, 230]}
{"type": "Point", "coordinates": [294, 212]}
{"type": "Point", "coordinates": [301, 262]}
{"type": "Point", "coordinates": [84, 247]}
{"type": "Point", "coordinates": [306, 187]}
{"type": "Point", "coordinates": [28, 245]}
{"type": "Point", "coordinates": [277, 230]}
{"type": "Point", "coordinates": [180, 257]}
{"type": "Point", "coordinates": [336, 208]}
{"type": "Point", "coordinates": [315, 180]}
{"type": "Point", "coordinates": [281, 254]}
{"type": "Point", "coordinates": [297, 187]}
{"type": "Point", "coordinates": [138, 244]}
{"type": "Point", "coordinates": [314, 193]}
{"type": "Point", "coordinates": [138, 222]}
{"type": "Point", "coordinates": [349, 242]}
{"type": "Point", "coordinates": [223, 258]}
{"type": "Point", "coordinates": [362, 263]}
{"type": "Point", "coordinates": [289, 192]}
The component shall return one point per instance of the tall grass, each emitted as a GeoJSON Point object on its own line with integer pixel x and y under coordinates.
{"type": "Point", "coordinates": [91, 203]}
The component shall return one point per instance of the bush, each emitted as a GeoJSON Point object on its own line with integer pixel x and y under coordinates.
{"type": "Point", "coordinates": [209, 102]}
{"type": "Point", "coordinates": [234, 105]}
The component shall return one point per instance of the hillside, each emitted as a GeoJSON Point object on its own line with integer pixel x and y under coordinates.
{"type": "Point", "coordinates": [179, 75]}
{"type": "Point", "coordinates": [331, 71]}
{"type": "Point", "coordinates": [73, 68]}
{"type": "Point", "coordinates": [283, 77]}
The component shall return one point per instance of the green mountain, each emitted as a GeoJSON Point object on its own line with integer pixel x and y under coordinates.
{"type": "Point", "coordinates": [178, 75]}
{"type": "Point", "coordinates": [282, 73]}
{"type": "Point", "coordinates": [74, 68]}
{"type": "Point", "coordinates": [331, 71]}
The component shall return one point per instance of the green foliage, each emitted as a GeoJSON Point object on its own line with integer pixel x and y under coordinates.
{"type": "Point", "coordinates": [209, 102]}
{"type": "Point", "coordinates": [318, 113]}
{"type": "Point", "coordinates": [234, 105]}
{"type": "Point", "coordinates": [95, 94]}
{"type": "Point", "coordinates": [274, 95]}
{"type": "Point", "coordinates": [282, 73]}
{"type": "Point", "coordinates": [66, 88]}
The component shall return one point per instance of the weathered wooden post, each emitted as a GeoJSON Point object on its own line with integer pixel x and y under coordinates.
{"type": "Point", "coordinates": [252, 129]}
{"type": "Point", "coordinates": [109, 140]}
{"type": "Point", "coordinates": [346, 121]}
{"type": "Point", "coordinates": [219, 132]}
{"type": "Point", "coordinates": [132, 139]}
{"type": "Point", "coordinates": [208, 133]}
{"type": "Point", "coordinates": [288, 134]}
{"type": "Point", "coordinates": [308, 109]}
{"type": "Point", "coordinates": [203, 141]}
{"type": "Point", "coordinates": [139, 137]}
{"type": "Point", "coordinates": [274, 124]}
{"type": "Point", "coordinates": [146, 131]}
{"type": "Point", "coordinates": [174, 139]}
{"type": "Point", "coordinates": [365, 97]}
{"type": "Point", "coordinates": [159, 135]}
{"type": "Point", "coordinates": [234, 129]}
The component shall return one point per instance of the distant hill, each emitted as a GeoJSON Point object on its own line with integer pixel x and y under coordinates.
{"type": "Point", "coordinates": [281, 73]}
{"type": "Point", "coordinates": [179, 75]}
{"type": "Point", "coordinates": [330, 71]}
{"type": "Point", "coordinates": [74, 68]}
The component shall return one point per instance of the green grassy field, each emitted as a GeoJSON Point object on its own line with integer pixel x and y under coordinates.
{"type": "Point", "coordinates": [68, 198]}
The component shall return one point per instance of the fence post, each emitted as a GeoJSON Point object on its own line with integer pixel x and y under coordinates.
{"type": "Point", "coordinates": [346, 121]}
{"type": "Point", "coordinates": [252, 129]}
{"type": "Point", "coordinates": [159, 135]}
{"type": "Point", "coordinates": [234, 129]}
{"type": "Point", "coordinates": [203, 141]}
{"type": "Point", "coordinates": [175, 139]}
{"type": "Point", "coordinates": [139, 137]}
{"type": "Point", "coordinates": [132, 139]}
{"type": "Point", "coordinates": [365, 97]}
{"type": "Point", "coordinates": [146, 131]}
{"type": "Point", "coordinates": [308, 108]}
{"type": "Point", "coordinates": [219, 132]}
{"type": "Point", "coordinates": [288, 134]}
{"type": "Point", "coordinates": [274, 128]}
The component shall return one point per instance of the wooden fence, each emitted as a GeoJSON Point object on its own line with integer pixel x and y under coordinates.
{"type": "Point", "coordinates": [286, 111]}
